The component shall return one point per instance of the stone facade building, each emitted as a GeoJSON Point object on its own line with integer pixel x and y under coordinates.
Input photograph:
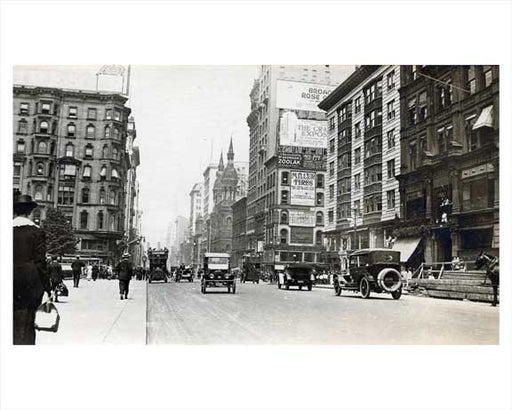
{"type": "Point", "coordinates": [239, 227]}
{"type": "Point", "coordinates": [449, 177]}
{"type": "Point", "coordinates": [70, 153]}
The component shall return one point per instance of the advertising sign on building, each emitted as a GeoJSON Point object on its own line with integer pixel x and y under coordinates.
{"type": "Point", "coordinates": [302, 188]}
{"type": "Point", "coordinates": [301, 218]}
{"type": "Point", "coordinates": [301, 235]}
{"type": "Point", "coordinates": [302, 133]}
{"type": "Point", "coordinates": [314, 159]}
{"type": "Point", "coordinates": [294, 95]}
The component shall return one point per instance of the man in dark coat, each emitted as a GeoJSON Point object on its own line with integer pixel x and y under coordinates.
{"type": "Point", "coordinates": [124, 272]}
{"type": "Point", "coordinates": [77, 266]}
{"type": "Point", "coordinates": [95, 271]}
{"type": "Point", "coordinates": [30, 276]}
{"type": "Point", "coordinates": [56, 276]}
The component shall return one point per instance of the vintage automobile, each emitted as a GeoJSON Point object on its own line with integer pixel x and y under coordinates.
{"type": "Point", "coordinates": [216, 272]}
{"type": "Point", "coordinates": [184, 274]}
{"type": "Point", "coordinates": [250, 273]}
{"type": "Point", "coordinates": [157, 264]}
{"type": "Point", "coordinates": [371, 270]}
{"type": "Point", "coordinates": [296, 274]}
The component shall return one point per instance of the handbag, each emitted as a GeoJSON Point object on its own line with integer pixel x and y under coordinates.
{"type": "Point", "coordinates": [62, 290]}
{"type": "Point", "coordinates": [47, 317]}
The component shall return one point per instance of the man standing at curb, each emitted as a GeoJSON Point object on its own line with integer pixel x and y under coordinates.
{"type": "Point", "coordinates": [124, 272]}
{"type": "Point", "coordinates": [77, 266]}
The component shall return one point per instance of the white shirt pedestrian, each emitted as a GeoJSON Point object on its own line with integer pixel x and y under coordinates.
{"type": "Point", "coordinates": [88, 270]}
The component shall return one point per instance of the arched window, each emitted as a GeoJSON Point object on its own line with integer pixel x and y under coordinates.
{"type": "Point", "coordinates": [284, 236]}
{"type": "Point", "coordinates": [115, 174]}
{"type": "Point", "coordinates": [39, 168]}
{"type": "Point", "coordinates": [103, 172]}
{"type": "Point", "coordinates": [42, 147]}
{"type": "Point", "coordinates": [105, 151]}
{"type": "Point", "coordinates": [116, 133]}
{"type": "Point", "coordinates": [112, 222]}
{"type": "Point", "coordinates": [102, 195]}
{"type": "Point", "coordinates": [87, 172]}
{"type": "Point", "coordinates": [38, 192]}
{"type": "Point", "coordinates": [85, 195]}
{"type": "Point", "coordinates": [100, 220]}
{"type": "Point", "coordinates": [71, 130]}
{"type": "Point", "coordinates": [107, 131]}
{"type": "Point", "coordinates": [90, 131]}
{"type": "Point", "coordinates": [284, 217]}
{"type": "Point", "coordinates": [43, 127]}
{"type": "Point", "coordinates": [228, 221]}
{"type": "Point", "coordinates": [115, 153]}
{"type": "Point", "coordinates": [318, 237]}
{"type": "Point", "coordinates": [70, 150]}
{"type": "Point", "coordinates": [36, 216]}
{"type": "Point", "coordinates": [88, 151]}
{"type": "Point", "coordinates": [112, 197]}
{"type": "Point", "coordinates": [319, 218]}
{"type": "Point", "coordinates": [84, 217]}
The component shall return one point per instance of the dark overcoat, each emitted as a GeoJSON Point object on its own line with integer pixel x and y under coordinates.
{"type": "Point", "coordinates": [55, 272]}
{"type": "Point", "coordinates": [124, 270]}
{"type": "Point", "coordinates": [30, 276]}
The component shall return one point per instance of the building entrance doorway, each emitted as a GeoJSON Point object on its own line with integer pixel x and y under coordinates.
{"type": "Point", "coordinates": [443, 245]}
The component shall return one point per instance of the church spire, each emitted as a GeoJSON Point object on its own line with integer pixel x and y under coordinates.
{"type": "Point", "coordinates": [231, 153]}
{"type": "Point", "coordinates": [221, 162]}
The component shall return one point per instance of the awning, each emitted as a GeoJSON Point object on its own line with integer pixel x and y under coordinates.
{"type": "Point", "coordinates": [485, 118]}
{"type": "Point", "coordinates": [406, 246]}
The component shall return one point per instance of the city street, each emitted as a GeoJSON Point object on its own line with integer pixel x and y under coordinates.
{"type": "Point", "coordinates": [263, 314]}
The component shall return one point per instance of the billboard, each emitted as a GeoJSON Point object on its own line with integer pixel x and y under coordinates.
{"type": "Point", "coordinates": [301, 235]}
{"type": "Point", "coordinates": [301, 218]}
{"type": "Point", "coordinates": [302, 133]}
{"type": "Point", "coordinates": [294, 95]}
{"type": "Point", "coordinates": [302, 188]}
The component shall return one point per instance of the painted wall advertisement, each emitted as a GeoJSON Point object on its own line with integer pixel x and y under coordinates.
{"type": "Point", "coordinates": [301, 218]}
{"type": "Point", "coordinates": [302, 133]}
{"type": "Point", "coordinates": [302, 188]}
{"type": "Point", "coordinates": [294, 95]}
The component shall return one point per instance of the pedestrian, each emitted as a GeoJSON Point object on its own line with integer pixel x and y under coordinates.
{"type": "Point", "coordinates": [77, 266]}
{"type": "Point", "coordinates": [30, 275]}
{"type": "Point", "coordinates": [95, 272]}
{"type": "Point", "coordinates": [88, 271]}
{"type": "Point", "coordinates": [124, 272]}
{"type": "Point", "coordinates": [56, 276]}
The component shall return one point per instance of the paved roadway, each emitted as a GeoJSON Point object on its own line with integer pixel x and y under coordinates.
{"type": "Point", "coordinates": [178, 313]}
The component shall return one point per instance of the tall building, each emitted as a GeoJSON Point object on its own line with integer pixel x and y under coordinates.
{"type": "Point", "coordinates": [196, 205]}
{"type": "Point", "coordinates": [287, 158]}
{"type": "Point", "coordinates": [226, 192]}
{"type": "Point", "coordinates": [449, 179]}
{"type": "Point", "coordinates": [239, 247]}
{"type": "Point", "coordinates": [70, 153]}
{"type": "Point", "coordinates": [363, 159]}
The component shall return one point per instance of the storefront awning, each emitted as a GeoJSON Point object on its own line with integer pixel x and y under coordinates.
{"type": "Point", "coordinates": [406, 246]}
{"type": "Point", "coordinates": [485, 118]}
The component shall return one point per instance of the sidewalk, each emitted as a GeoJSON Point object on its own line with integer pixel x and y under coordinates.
{"type": "Point", "coordinates": [94, 314]}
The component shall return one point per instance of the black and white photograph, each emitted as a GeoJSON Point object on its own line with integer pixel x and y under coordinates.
{"type": "Point", "coordinates": [248, 223]}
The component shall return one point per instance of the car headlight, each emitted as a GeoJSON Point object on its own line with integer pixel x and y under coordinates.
{"type": "Point", "coordinates": [288, 276]}
{"type": "Point", "coordinates": [211, 275]}
{"type": "Point", "coordinates": [227, 275]}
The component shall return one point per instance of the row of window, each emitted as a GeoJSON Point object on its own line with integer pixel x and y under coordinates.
{"type": "Point", "coordinates": [371, 204]}
{"type": "Point", "coordinates": [68, 170]}
{"type": "Point", "coordinates": [284, 218]}
{"type": "Point", "coordinates": [115, 222]}
{"type": "Point", "coordinates": [71, 130]}
{"type": "Point", "coordinates": [45, 108]}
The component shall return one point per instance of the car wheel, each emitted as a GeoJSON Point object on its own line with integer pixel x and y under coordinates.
{"type": "Point", "coordinates": [190, 280]}
{"type": "Point", "coordinates": [149, 280]}
{"type": "Point", "coordinates": [258, 282]}
{"type": "Point", "coordinates": [300, 287]}
{"type": "Point", "coordinates": [310, 287]}
{"type": "Point", "coordinates": [397, 293]}
{"type": "Point", "coordinates": [364, 288]}
{"type": "Point", "coordinates": [287, 286]}
{"type": "Point", "coordinates": [229, 289]}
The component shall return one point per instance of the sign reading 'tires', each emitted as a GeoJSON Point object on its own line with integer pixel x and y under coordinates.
{"type": "Point", "coordinates": [302, 188]}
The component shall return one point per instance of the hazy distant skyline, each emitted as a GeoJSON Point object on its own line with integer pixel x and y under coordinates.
{"type": "Point", "coordinates": [184, 116]}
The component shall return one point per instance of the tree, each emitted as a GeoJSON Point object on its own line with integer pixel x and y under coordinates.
{"type": "Point", "coordinates": [60, 238]}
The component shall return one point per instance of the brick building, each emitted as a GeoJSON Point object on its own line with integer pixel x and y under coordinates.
{"type": "Point", "coordinates": [70, 153]}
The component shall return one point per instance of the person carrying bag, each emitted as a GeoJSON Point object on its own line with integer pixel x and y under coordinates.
{"type": "Point", "coordinates": [47, 317]}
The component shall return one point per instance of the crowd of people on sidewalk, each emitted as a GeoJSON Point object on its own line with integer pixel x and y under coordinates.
{"type": "Point", "coordinates": [36, 275]}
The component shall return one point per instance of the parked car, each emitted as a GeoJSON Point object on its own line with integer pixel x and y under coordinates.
{"type": "Point", "coordinates": [371, 270]}
{"type": "Point", "coordinates": [157, 264]}
{"type": "Point", "coordinates": [296, 274]}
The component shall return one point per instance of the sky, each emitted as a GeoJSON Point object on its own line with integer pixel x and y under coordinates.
{"type": "Point", "coordinates": [184, 116]}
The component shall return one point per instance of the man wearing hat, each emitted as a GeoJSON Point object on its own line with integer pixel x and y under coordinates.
{"type": "Point", "coordinates": [124, 272]}
{"type": "Point", "coordinates": [30, 276]}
